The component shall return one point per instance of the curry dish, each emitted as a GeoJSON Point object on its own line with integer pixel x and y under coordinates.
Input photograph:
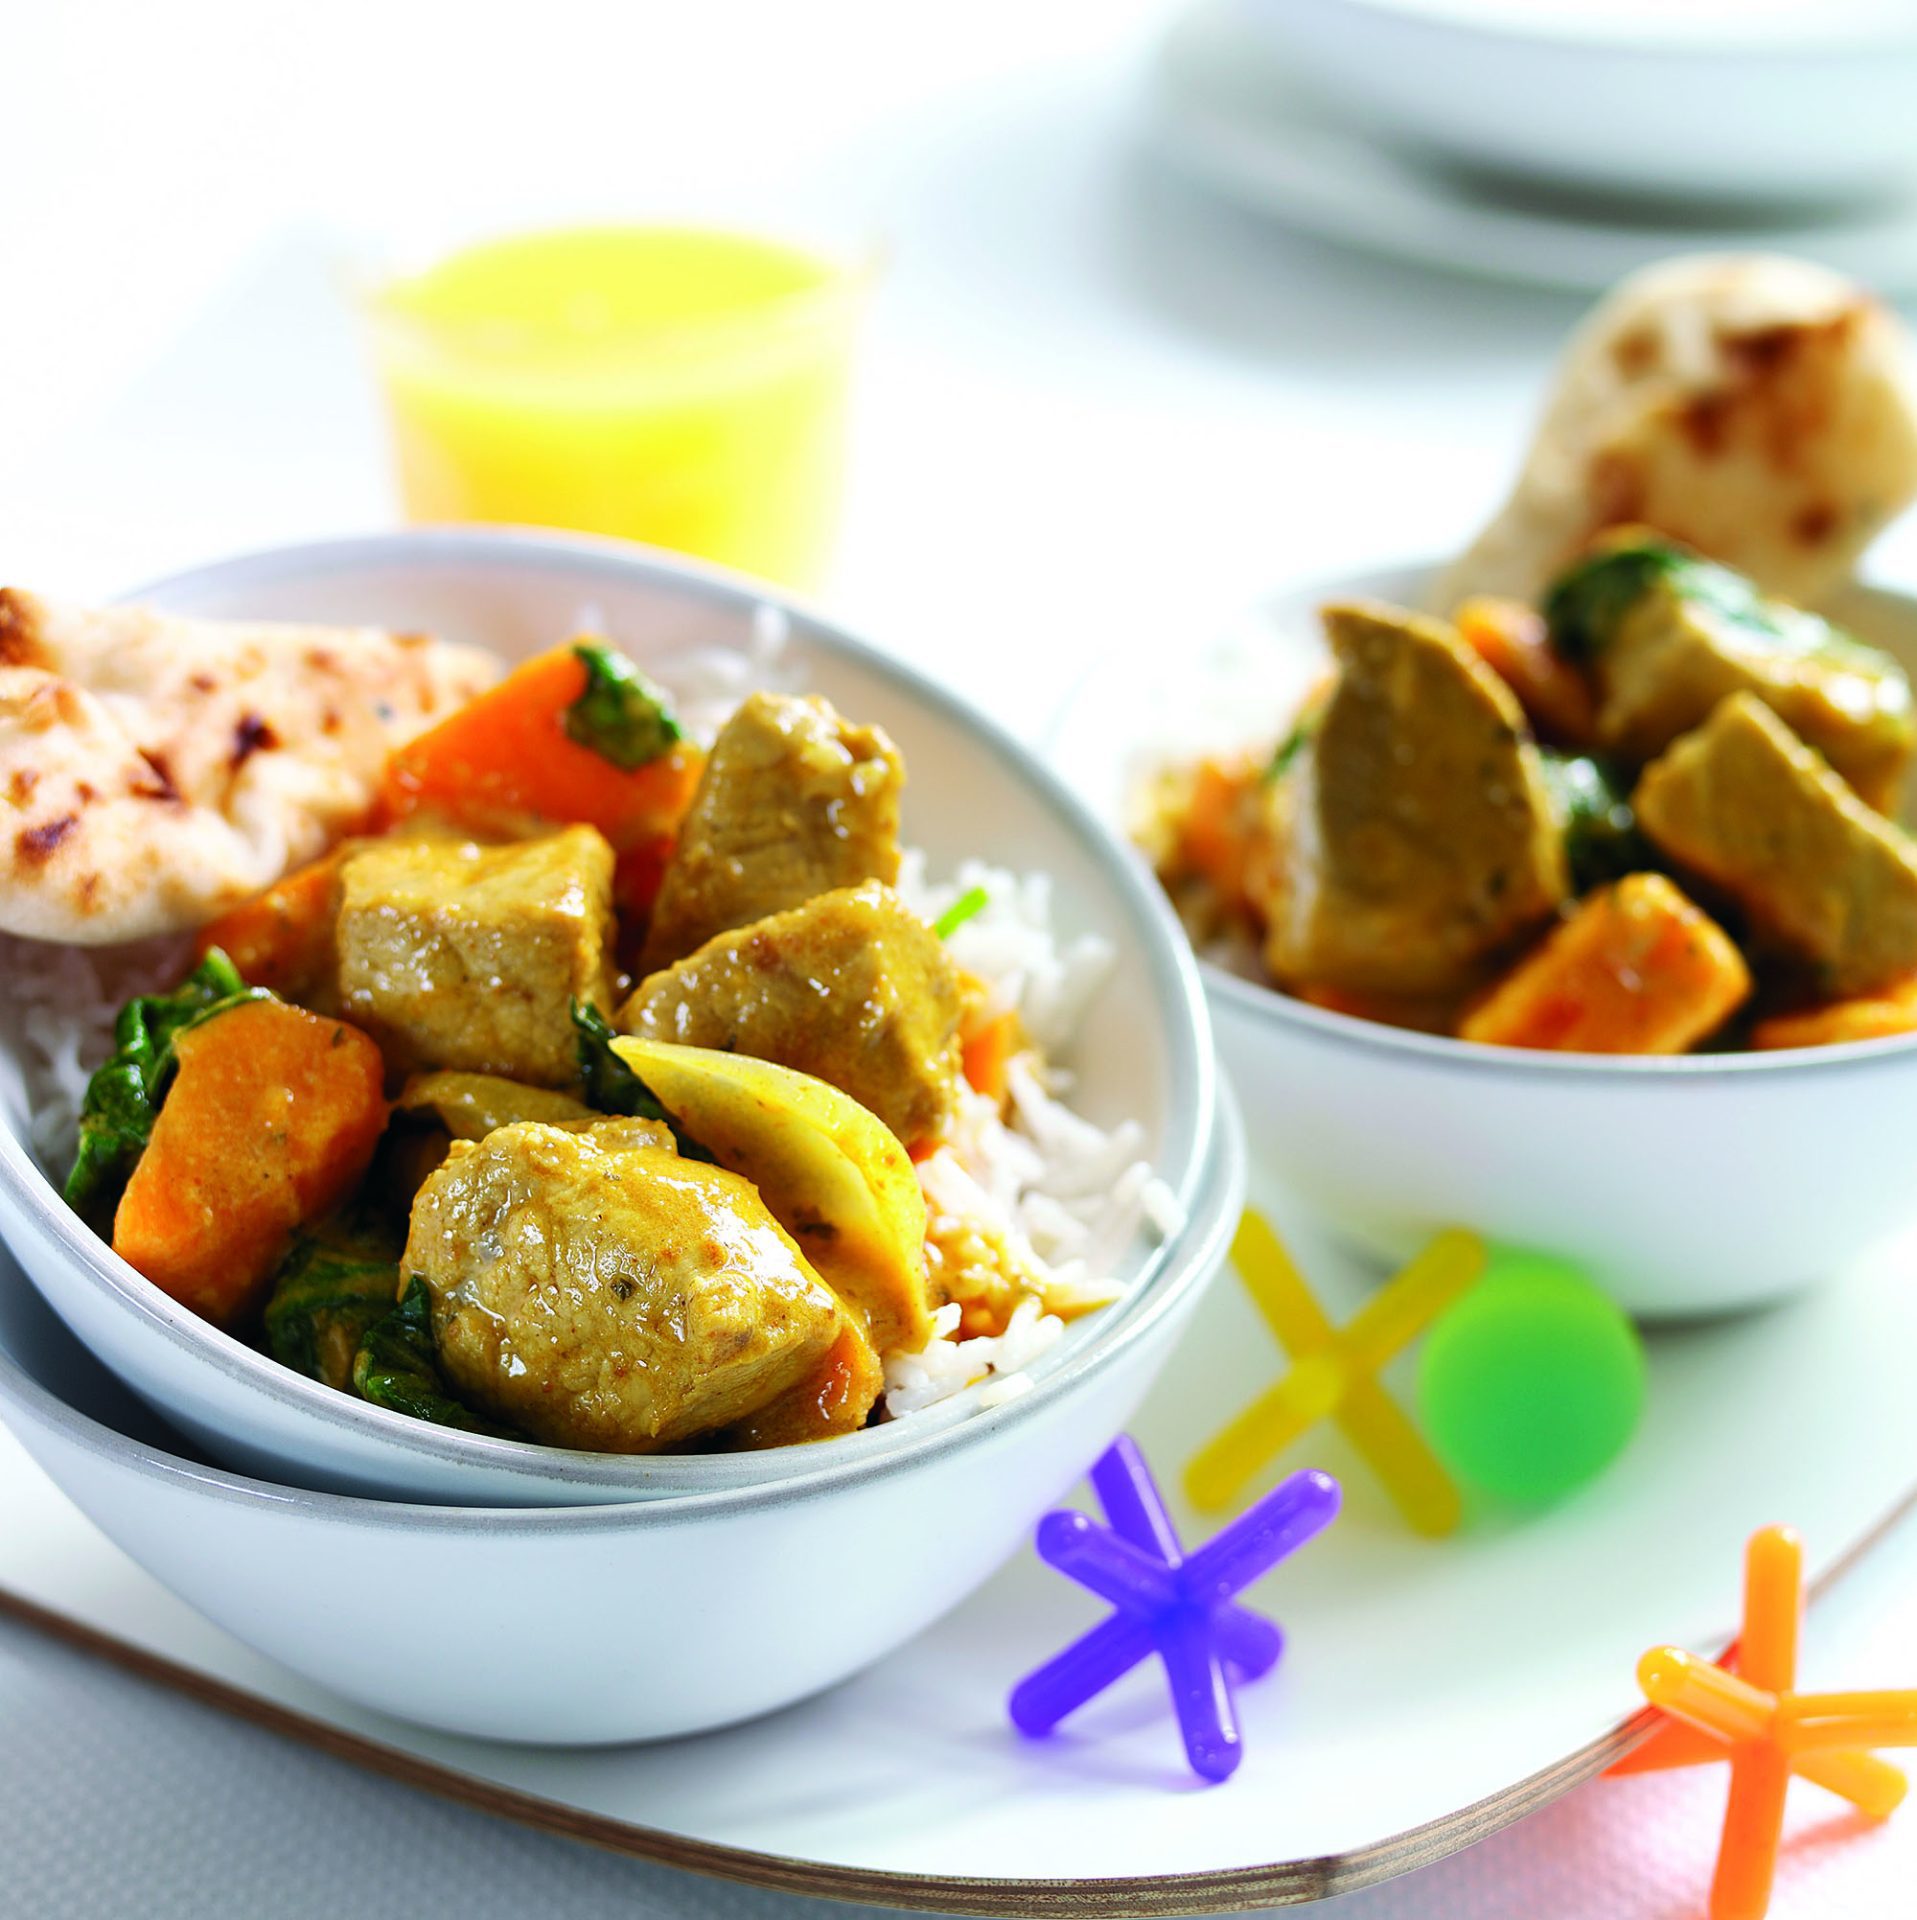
{"type": "Point", "coordinates": [580, 1093]}
{"type": "Point", "coordinates": [1652, 815]}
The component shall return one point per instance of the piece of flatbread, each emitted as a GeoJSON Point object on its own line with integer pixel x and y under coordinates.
{"type": "Point", "coordinates": [1760, 409]}
{"type": "Point", "coordinates": [155, 771]}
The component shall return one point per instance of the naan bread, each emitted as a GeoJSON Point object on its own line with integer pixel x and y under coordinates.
{"type": "Point", "coordinates": [155, 771]}
{"type": "Point", "coordinates": [1759, 409]}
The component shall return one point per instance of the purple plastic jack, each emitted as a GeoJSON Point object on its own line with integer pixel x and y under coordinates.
{"type": "Point", "coordinates": [1181, 1609]}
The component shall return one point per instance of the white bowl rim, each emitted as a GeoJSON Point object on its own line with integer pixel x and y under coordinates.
{"type": "Point", "coordinates": [1193, 1105]}
{"type": "Point", "coordinates": [1255, 1000]}
{"type": "Point", "coordinates": [1209, 1232]}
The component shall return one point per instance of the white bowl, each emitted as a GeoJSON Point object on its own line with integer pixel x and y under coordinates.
{"type": "Point", "coordinates": [1685, 1186]}
{"type": "Point", "coordinates": [1735, 101]}
{"type": "Point", "coordinates": [1145, 1052]}
{"type": "Point", "coordinates": [582, 1624]}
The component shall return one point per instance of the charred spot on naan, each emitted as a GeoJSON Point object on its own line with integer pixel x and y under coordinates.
{"type": "Point", "coordinates": [19, 629]}
{"type": "Point", "coordinates": [34, 846]}
{"type": "Point", "coordinates": [160, 785]}
{"type": "Point", "coordinates": [251, 735]}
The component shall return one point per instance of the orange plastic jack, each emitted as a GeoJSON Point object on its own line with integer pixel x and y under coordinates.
{"type": "Point", "coordinates": [1334, 1375]}
{"type": "Point", "coordinates": [1768, 1731]}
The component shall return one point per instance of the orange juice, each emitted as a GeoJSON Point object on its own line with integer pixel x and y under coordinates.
{"type": "Point", "coordinates": [671, 384]}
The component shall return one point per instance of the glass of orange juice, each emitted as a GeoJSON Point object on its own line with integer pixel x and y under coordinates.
{"type": "Point", "coordinates": [681, 385]}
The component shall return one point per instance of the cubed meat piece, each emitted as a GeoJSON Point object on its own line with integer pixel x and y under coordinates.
{"type": "Point", "coordinates": [852, 988]}
{"type": "Point", "coordinates": [1667, 635]}
{"type": "Point", "coordinates": [1412, 842]}
{"type": "Point", "coordinates": [1743, 804]}
{"type": "Point", "coordinates": [794, 801]}
{"type": "Point", "coordinates": [1636, 969]}
{"type": "Point", "coordinates": [603, 1294]}
{"type": "Point", "coordinates": [463, 956]}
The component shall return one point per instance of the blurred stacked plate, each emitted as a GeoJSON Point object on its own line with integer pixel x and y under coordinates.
{"type": "Point", "coordinates": [1563, 142]}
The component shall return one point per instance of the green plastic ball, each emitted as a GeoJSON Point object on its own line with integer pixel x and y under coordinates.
{"type": "Point", "coordinates": [1532, 1383]}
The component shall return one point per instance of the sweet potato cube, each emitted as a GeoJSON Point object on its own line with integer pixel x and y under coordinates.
{"type": "Point", "coordinates": [284, 937]}
{"type": "Point", "coordinates": [1877, 1016]}
{"type": "Point", "coordinates": [269, 1123]}
{"type": "Point", "coordinates": [1636, 969]}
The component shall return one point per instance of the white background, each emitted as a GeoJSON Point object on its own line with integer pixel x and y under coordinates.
{"type": "Point", "coordinates": [1097, 413]}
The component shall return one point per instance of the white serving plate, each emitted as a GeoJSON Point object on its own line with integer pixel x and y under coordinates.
{"type": "Point", "coordinates": [1430, 1694]}
{"type": "Point", "coordinates": [1684, 1186]}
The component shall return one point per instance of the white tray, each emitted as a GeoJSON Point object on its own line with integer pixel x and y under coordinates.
{"type": "Point", "coordinates": [1430, 1693]}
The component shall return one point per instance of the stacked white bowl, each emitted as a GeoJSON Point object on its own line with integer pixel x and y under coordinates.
{"type": "Point", "coordinates": [500, 1588]}
{"type": "Point", "coordinates": [1756, 100]}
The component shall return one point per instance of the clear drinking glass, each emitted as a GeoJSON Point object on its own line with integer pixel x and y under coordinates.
{"type": "Point", "coordinates": [681, 385]}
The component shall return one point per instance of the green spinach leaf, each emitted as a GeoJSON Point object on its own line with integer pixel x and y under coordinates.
{"type": "Point", "coordinates": [325, 1300]}
{"type": "Point", "coordinates": [123, 1097]}
{"type": "Point", "coordinates": [1601, 838]}
{"type": "Point", "coordinates": [1589, 603]}
{"type": "Point", "coordinates": [621, 715]}
{"type": "Point", "coordinates": [611, 1085]}
{"type": "Point", "coordinates": [397, 1366]}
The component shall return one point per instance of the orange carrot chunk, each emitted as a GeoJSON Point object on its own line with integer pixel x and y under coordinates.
{"type": "Point", "coordinates": [1877, 1016]}
{"type": "Point", "coordinates": [270, 1122]}
{"type": "Point", "coordinates": [1514, 642]}
{"type": "Point", "coordinates": [985, 1052]}
{"type": "Point", "coordinates": [1214, 836]}
{"type": "Point", "coordinates": [283, 938]}
{"type": "Point", "coordinates": [1636, 969]}
{"type": "Point", "coordinates": [506, 756]}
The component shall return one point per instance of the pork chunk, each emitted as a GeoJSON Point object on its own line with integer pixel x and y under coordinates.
{"type": "Point", "coordinates": [852, 988]}
{"type": "Point", "coordinates": [468, 957]}
{"type": "Point", "coordinates": [600, 1292]}
{"type": "Point", "coordinates": [794, 801]}
{"type": "Point", "coordinates": [1745, 805]}
{"type": "Point", "coordinates": [1412, 840]}
{"type": "Point", "coordinates": [1667, 635]}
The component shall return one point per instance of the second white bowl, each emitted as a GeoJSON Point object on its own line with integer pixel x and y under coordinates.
{"type": "Point", "coordinates": [1685, 1186]}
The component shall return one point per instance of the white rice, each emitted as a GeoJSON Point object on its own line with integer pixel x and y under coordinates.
{"type": "Point", "coordinates": [1068, 1198]}
{"type": "Point", "coordinates": [57, 1008]}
